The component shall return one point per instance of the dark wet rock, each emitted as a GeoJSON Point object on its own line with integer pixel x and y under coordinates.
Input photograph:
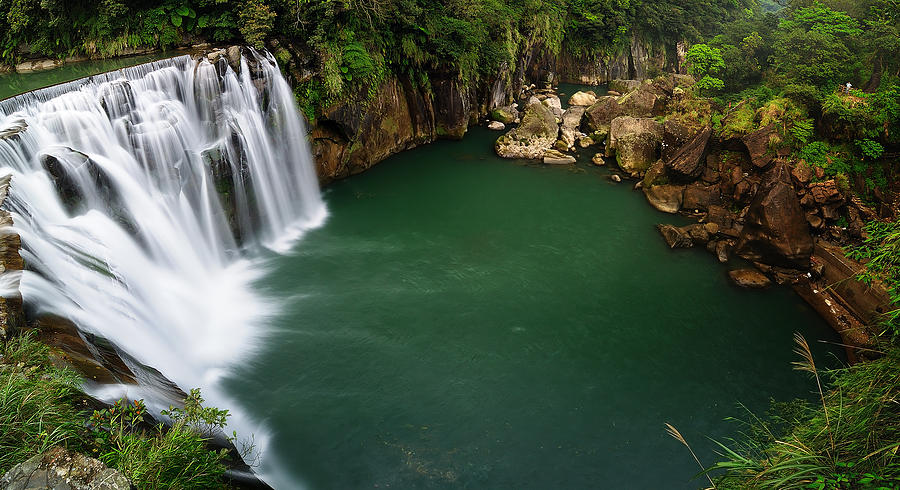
{"type": "Point", "coordinates": [698, 197]}
{"type": "Point", "coordinates": [825, 192]}
{"type": "Point", "coordinates": [688, 162]}
{"type": "Point", "coordinates": [758, 145]}
{"type": "Point", "coordinates": [749, 278]}
{"type": "Point", "coordinates": [665, 198]}
{"type": "Point", "coordinates": [675, 237]}
{"type": "Point", "coordinates": [776, 231]}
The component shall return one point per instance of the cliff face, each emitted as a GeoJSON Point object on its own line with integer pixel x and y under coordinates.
{"type": "Point", "coordinates": [12, 317]}
{"type": "Point", "coordinates": [350, 137]}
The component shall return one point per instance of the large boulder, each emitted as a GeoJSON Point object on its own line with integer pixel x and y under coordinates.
{"type": "Point", "coordinates": [61, 470]}
{"type": "Point", "coordinates": [665, 198]}
{"type": "Point", "coordinates": [571, 120]}
{"type": "Point", "coordinates": [506, 114]}
{"type": "Point", "coordinates": [624, 86]}
{"type": "Point", "coordinates": [554, 104]}
{"type": "Point", "coordinates": [635, 143]}
{"type": "Point", "coordinates": [775, 230]}
{"type": "Point", "coordinates": [582, 99]}
{"type": "Point", "coordinates": [598, 116]}
{"type": "Point", "coordinates": [758, 145]}
{"type": "Point", "coordinates": [533, 137]}
{"type": "Point", "coordinates": [688, 163]}
{"type": "Point", "coordinates": [644, 102]}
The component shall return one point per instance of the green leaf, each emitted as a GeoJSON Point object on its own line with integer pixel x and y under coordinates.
{"type": "Point", "coordinates": [192, 13]}
{"type": "Point", "coordinates": [176, 20]}
{"type": "Point", "coordinates": [183, 11]}
{"type": "Point", "coordinates": [203, 21]}
{"type": "Point", "coordinates": [344, 69]}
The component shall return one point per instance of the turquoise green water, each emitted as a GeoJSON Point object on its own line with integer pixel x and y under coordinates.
{"type": "Point", "coordinates": [463, 321]}
{"type": "Point", "coordinates": [17, 83]}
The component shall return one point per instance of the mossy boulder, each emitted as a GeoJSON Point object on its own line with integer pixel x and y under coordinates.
{"type": "Point", "coordinates": [635, 143]}
{"type": "Point", "coordinates": [536, 134]}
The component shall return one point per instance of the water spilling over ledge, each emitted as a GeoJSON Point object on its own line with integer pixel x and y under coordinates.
{"type": "Point", "coordinates": [140, 196]}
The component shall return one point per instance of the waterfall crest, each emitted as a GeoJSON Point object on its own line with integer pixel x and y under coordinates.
{"type": "Point", "coordinates": [137, 194]}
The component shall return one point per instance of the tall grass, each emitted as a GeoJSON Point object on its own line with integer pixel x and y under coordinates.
{"type": "Point", "coordinates": [40, 408]}
{"type": "Point", "coordinates": [847, 440]}
{"type": "Point", "coordinates": [38, 402]}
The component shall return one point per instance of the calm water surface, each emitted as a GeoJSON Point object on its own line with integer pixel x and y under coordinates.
{"type": "Point", "coordinates": [18, 83]}
{"type": "Point", "coordinates": [463, 321]}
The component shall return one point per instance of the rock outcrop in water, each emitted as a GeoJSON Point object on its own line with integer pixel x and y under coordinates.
{"type": "Point", "coordinates": [531, 139]}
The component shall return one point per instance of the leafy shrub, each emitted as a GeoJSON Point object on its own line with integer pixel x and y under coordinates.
{"type": "Point", "coordinates": [173, 457]}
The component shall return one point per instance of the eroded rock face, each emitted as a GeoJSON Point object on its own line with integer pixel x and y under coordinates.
{"type": "Point", "coordinates": [12, 315]}
{"type": "Point", "coordinates": [61, 470]}
{"type": "Point", "coordinates": [776, 231]}
{"type": "Point", "coordinates": [532, 138]}
{"type": "Point", "coordinates": [635, 143]}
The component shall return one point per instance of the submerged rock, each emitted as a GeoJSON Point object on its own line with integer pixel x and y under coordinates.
{"type": "Point", "coordinates": [554, 157]}
{"type": "Point", "coordinates": [749, 278]}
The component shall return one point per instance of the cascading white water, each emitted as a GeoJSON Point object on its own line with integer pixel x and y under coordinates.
{"type": "Point", "coordinates": [128, 190]}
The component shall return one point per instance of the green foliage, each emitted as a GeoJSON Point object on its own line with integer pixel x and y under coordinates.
{"type": "Point", "coordinates": [871, 150]}
{"type": "Point", "coordinates": [257, 20]}
{"type": "Point", "coordinates": [705, 63]}
{"type": "Point", "coordinates": [40, 408]}
{"type": "Point", "coordinates": [881, 252]}
{"type": "Point", "coordinates": [37, 402]}
{"type": "Point", "coordinates": [173, 457]}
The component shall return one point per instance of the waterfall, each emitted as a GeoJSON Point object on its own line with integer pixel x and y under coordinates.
{"type": "Point", "coordinates": [142, 196]}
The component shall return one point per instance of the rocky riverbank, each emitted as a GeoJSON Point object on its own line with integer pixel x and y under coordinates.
{"type": "Point", "coordinates": [752, 200]}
